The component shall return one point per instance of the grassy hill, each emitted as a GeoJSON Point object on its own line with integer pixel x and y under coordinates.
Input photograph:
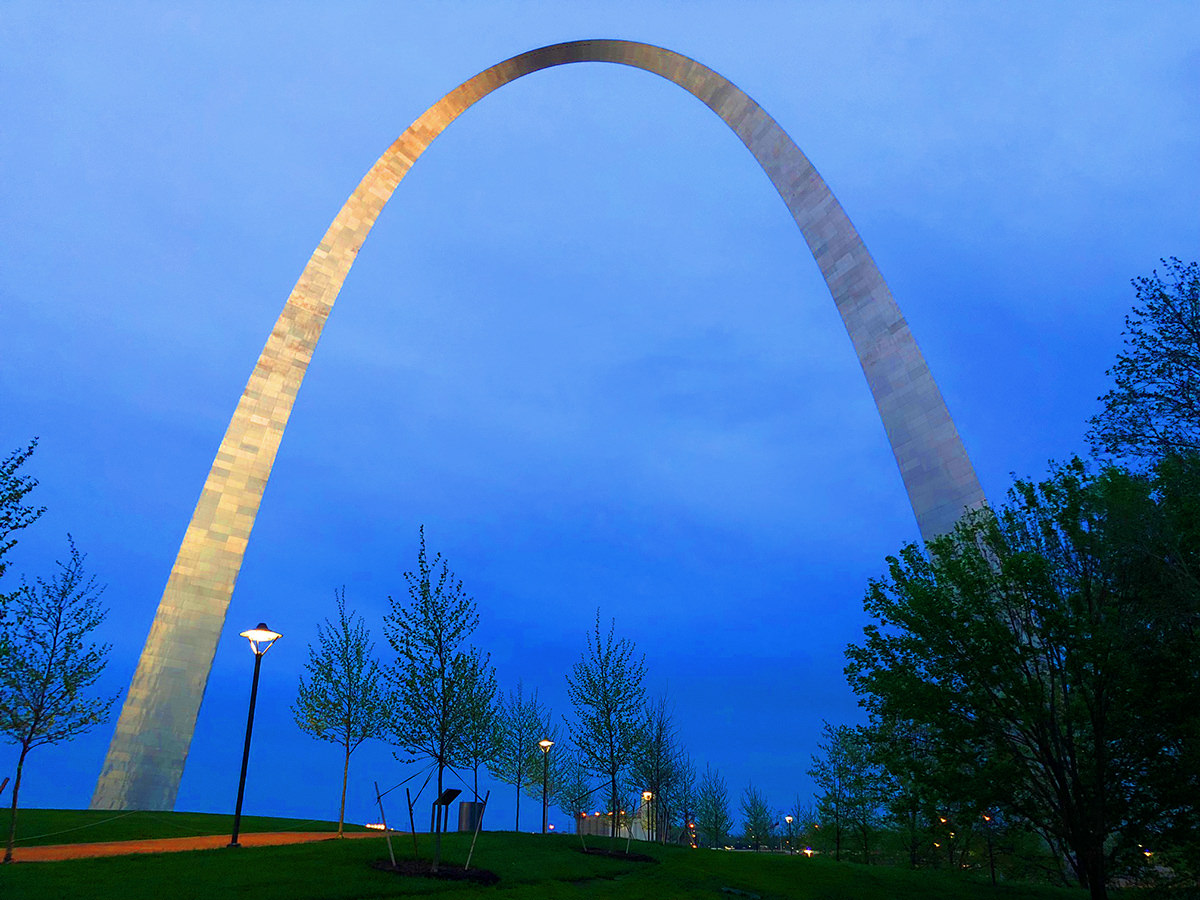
{"type": "Point", "coordinates": [529, 866]}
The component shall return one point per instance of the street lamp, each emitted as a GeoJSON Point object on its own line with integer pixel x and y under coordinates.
{"type": "Point", "coordinates": [261, 638]}
{"type": "Point", "coordinates": [545, 744]}
{"type": "Point", "coordinates": [789, 820]}
{"type": "Point", "coordinates": [647, 796]}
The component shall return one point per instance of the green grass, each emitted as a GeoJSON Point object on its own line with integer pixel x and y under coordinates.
{"type": "Point", "coordinates": [529, 866]}
{"type": "Point", "coordinates": [37, 827]}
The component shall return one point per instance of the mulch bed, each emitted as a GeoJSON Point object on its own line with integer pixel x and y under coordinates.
{"type": "Point", "coordinates": [423, 868]}
{"type": "Point", "coordinates": [618, 854]}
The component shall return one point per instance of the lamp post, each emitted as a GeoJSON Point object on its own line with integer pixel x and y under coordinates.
{"type": "Point", "coordinates": [545, 744]}
{"type": "Point", "coordinates": [789, 820]}
{"type": "Point", "coordinates": [647, 796]}
{"type": "Point", "coordinates": [261, 638]}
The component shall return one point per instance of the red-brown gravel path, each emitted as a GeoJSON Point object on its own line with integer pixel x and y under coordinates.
{"type": "Point", "coordinates": [173, 845]}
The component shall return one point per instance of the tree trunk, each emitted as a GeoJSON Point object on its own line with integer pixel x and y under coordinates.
{"type": "Point", "coordinates": [345, 778]}
{"type": "Point", "coordinates": [12, 821]}
{"type": "Point", "coordinates": [1092, 866]}
{"type": "Point", "coordinates": [437, 831]}
{"type": "Point", "coordinates": [517, 823]}
{"type": "Point", "coordinates": [612, 827]}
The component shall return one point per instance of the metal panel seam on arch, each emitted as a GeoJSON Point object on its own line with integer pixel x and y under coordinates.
{"type": "Point", "coordinates": [145, 759]}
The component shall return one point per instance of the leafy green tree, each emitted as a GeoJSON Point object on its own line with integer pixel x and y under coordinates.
{"type": "Point", "coordinates": [344, 701]}
{"type": "Point", "coordinates": [685, 795]}
{"type": "Point", "coordinates": [656, 765]}
{"type": "Point", "coordinates": [713, 820]}
{"type": "Point", "coordinates": [480, 734]}
{"type": "Point", "coordinates": [15, 513]}
{"type": "Point", "coordinates": [574, 785]}
{"type": "Point", "coordinates": [758, 822]}
{"type": "Point", "coordinates": [549, 765]}
{"type": "Point", "coordinates": [1153, 407]}
{"type": "Point", "coordinates": [606, 693]}
{"type": "Point", "coordinates": [831, 773]}
{"type": "Point", "coordinates": [865, 794]}
{"type": "Point", "coordinates": [1024, 643]}
{"type": "Point", "coordinates": [519, 728]}
{"type": "Point", "coordinates": [428, 633]}
{"type": "Point", "coordinates": [50, 664]}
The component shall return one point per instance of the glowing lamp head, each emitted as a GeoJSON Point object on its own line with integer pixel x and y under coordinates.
{"type": "Point", "coordinates": [261, 638]}
{"type": "Point", "coordinates": [647, 796]}
{"type": "Point", "coordinates": [545, 744]}
{"type": "Point", "coordinates": [788, 819]}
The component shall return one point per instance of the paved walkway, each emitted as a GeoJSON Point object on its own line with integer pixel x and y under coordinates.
{"type": "Point", "coordinates": [173, 845]}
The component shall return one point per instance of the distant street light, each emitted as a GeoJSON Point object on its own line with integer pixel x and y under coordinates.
{"type": "Point", "coordinates": [789, 820]}
{"type": "Point", "coordinates": [261, 638]}
{"type": "Point", "coordinates": [647, 796]}
{"type": "Point", "coordinates": [545, 744]}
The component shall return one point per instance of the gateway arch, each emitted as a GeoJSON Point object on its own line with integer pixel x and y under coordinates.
{"type": "Point", "coordinates": [145, 760]}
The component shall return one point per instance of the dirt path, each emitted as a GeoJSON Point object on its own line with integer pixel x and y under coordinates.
{"type": "Point", "coordinates": [174, 845]}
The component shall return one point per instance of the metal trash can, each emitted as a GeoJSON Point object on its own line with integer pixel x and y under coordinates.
{"type": "Point", "coordinates": [468, 815]}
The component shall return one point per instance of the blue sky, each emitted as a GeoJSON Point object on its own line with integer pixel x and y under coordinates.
{"type": "Point", "coordinates": [585, 344]}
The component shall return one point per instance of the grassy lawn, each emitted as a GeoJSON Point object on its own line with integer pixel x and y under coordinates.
{"type": "Point", "coordinates": [529, 866]}
{"type": "Point", "coordinates": [72, 826]}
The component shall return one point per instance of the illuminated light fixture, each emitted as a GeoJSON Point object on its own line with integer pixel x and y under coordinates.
{"type": "Point", "coordinates": [261, 639]}
{"type": "Point", "coordinates": [545, 744]}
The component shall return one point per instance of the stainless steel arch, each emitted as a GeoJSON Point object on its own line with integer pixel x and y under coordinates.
{"type": "Point", "coordinates": [146, 757]}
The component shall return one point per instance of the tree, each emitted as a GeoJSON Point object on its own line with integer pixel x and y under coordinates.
{"type": "Point", "coordinates": [864, 789]}
{"type": "Point", "coordinates": [432, 666]}
{"type": "Point", "coordinates": [519, 728]}
{"type": "Point", "coordinates": [606, 693]}
{"type": "Point", "coordinates": [344, 700]}
{"type": "Point", "coordinates": [548, 767]}
{"type": "Point", "coordinates": [685, 795]}
{"type": "Point", "coordinates": [15, 514]}
{"type": "Point", "coordinates": [574, 786]}
{"type": "Point", "coordinates": [50, 665]}
{"type": "Point", "coordinates": [1023, 643]}
{"type": "Point", "coordinates": [803, 824]}
{"type": "Point", "coordinates": [1154, 405]}
{"type": "Point", "coordinates": [757, 820]}
{"type": "Point", "coordinates": [712, 808]}
{"type": "Point", "coordinates": [479, 738]}
{"type": "Point", "coordinates": [656, 766]}
{"type": "Point", "coordinates": [830, 772]}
